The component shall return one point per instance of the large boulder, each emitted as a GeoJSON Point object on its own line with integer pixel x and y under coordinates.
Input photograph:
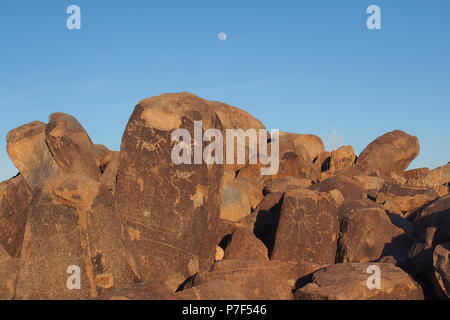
{"type": "Point", "coordinates": [29, 152]}
{"type": "Point", "coordinates": [71, 146]}
{"type": "Point", "coordinates": [432, 227]}
{"type": "Point", "coordinates": [350, 281]}
{"type": "Point", "coordinates": [441, 270]}
{"type": "Point", "coordinates": [390, 154]}
{"type": "Point", "coordinates": [15, 201]}
{"type": "Point", "coordinates": [436, 177]}
{"type": "Point", "coordinates": [367, 234]}
{"type": "Point", "coordinates": [259, 280]}
{"type": "Point", "coordinates": [342, 158]}
{"type": "Point", "coordinates": [72, 226]}
{"type": "Point", "coordinates": [170, 210]}
{"type": "Point", "coordinates": [9, 268]}
{"type": "Point", "coordinates": [238, 198]}
{"type": "Point", "coordinates": [244, 245]}
{"type": "Point", "coordinates": [308, 228]}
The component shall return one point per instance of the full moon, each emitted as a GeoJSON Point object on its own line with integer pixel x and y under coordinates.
{"type": "Point", "coordinates": [222, 36]}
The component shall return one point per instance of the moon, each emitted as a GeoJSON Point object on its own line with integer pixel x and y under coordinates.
{"type": "Point", "coordinates": [222, 36]}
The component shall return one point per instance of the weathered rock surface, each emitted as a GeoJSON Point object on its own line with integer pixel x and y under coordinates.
{"type": "Point", "coordinates": [72, 224]}
{"type": "Point", "coordinates": [351, 189]}
{"type": "Point", "coordinates": [170, 211]}
{"type": "Point", "coordinates": [308, 228]}
{"type": "Point", "coordinates": [300, 143]}
{"type": "Point", "coordinates": [432, 227]}
{"type": "Point", "coordinates": [349, 281]}
{"type": "Point", "coordinates": [270, 280]}
{"type": "Point", "coordinates": [150, 290]}
{"type": "Point", "coordinates": [214, 290]}
{"type": "Point", "coordinates": [367, 234]}
{"type": "Point", "coordinates": [9, 268]}
{"type": "Point", "coordinates": [390, 154]}
{"type": "Point", "coordinates": [244, 245]}
{"type": "Point", "coordinates": [342, 158]}
{"type": "Point", "coordinates": [15, 201]}
{"type": "Point", "coordinates": [70, 146]}
{"type": "Point", "coordinates": [406, 199]}
{"type": "Point", "coordinates": [441, 270]}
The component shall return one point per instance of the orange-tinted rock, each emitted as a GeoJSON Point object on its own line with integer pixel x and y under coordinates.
{"type": "Point", "coordinates": [407, 199]}
{"type": "Point", "coordinates": [72, 223]}
{"type": "Point", "coordinates": [436, 177]}
{"type": "Point", "coordinates": [368, 234]}
{"type": "Point", "coordinates": [342, 158]}
{"type": "Point", "coordinates": [441, 270]}
{"type": "Point", "coordinates": [170, 211]}
{"type": "Point", "coordinates": [432, 227]}
{"type": "Point", "coordinates": [214, 290]}
{"type": "Point", "coordinates": [300, 142]}
{"type": "Point", "coordinates": [351, 189]}
{"type": "Point", "coordinates": [244, 245]}
{"type": "Point", "coordinates": [151, 290]}
{"type": "Point", "coordinates": [29, 152]}
{"type": "Point", "coordinates": [15, 201]}
{"type": "Point", "coordinates": [9, 268]}
{"type": "Point", "coordinates": [308, 228]}
{"type": "Point", "coordinates": [414, 174]}
{"type": "Point", "coordinates": [71, 147]}
{"type": "Point", "coordinates": [286, 184]}
{"type": "Point", "coordinates": [259, 280]}
{"type": "Point", "coordinates": [349, 281]}
{"type": "Point", "coordinates": [109, 175]}
{"type": "Point", "coordinates": [390, 154]}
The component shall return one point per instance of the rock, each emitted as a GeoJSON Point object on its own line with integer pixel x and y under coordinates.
{"type": "Point", "coordinates": [349, 281]}
{"type": "Point", "coordinates": [351, 189]}
{"type": "Point", "coordinates": [390, 154]}
{"type": "Point", "coordinates": [71, 146]}
{"type": "Point", "coordinates": [15, 201]}
{"type": "Point", "coordinates": [72, 226]}
{"type": "Point", "coordinates": [245, 246]}
{"type": "Point", "coordinates": [259, 280]}
{"type": "Point", "coordinates": [214, 290]}
{"type": "Point", "coordinates": [109, 175]}
{"type": "Point", "coordinates": [432, 227]}
{"type": "Point", "coordinates": [219, 254]}
{"type": "Point", "coordinates": [267, 218]}
{"type": "Point", "coordinates": [170, 211]}
{"type": "Point", "coordinates": [8, 275]}
{"type": "Point", "coordinates": [322, 162]}
{"type": "Point", "coordinates": [102, 156]}
{"type": "Point", "coordinates": [238, 198]}
{"type": "Point", "coordinates": [300, 142]}
{"type": "Point", "coordinates": [235, 118]}
{"type": "Point", "coordinates": [286, 184]}
{"type": "Point", "coordinates": [342, 158]}
{"type": "Point", "coordinates": [350, 206]}
{"type": "Point", "coordinates": [29, 152]}
{"type": "Point", "coordinates": [367, 234]}
{"type": "Point", "coordinates": [151, 290]}
{"type": "Point", "coordinates": [415, 174]}
{"type": "Point", "coordinates": [308, 228]}
{"type": "Point", "coordinates": [441, 268]}
{"type": "Point", "coordinates": [407, 199]}
{"type": "Point", "coordinates": [436, 177]}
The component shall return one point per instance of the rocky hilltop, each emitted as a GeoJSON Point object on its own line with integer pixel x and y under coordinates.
{"type": "Point", "coordinates": [138, 226]}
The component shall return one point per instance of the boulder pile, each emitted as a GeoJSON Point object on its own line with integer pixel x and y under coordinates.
{"type": "Point", "coordinates": [80, 221]}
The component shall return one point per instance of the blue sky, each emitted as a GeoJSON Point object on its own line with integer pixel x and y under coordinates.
{"type": "Point", "coordinates": [301, 66]}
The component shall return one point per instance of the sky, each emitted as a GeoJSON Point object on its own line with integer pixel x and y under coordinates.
{"type": "Point", "coordinates": [308, 66]}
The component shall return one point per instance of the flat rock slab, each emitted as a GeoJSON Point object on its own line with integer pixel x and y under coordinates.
{"type": "Point", "coordinates": [348, 281]}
